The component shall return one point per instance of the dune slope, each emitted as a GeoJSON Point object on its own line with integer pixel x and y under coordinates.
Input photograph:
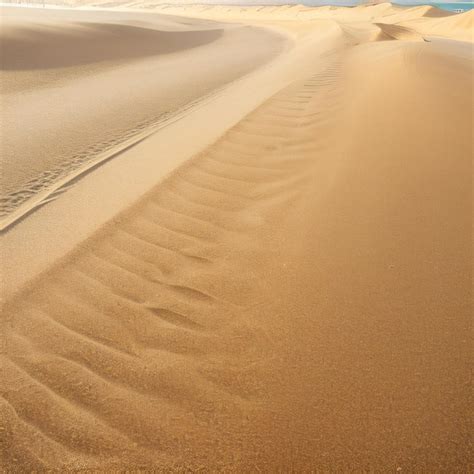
{"type": "Point", "coordinates": [295, 297]}
{"type": "Point", "coordinates": [60, 113]}
{"type": "Point", "coordinates": [27, 48]}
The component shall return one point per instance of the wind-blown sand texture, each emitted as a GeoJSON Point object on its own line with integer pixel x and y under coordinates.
{"type": "Point", "coordinates": [57, 71]}
{"type": "Point", "coordinates": [294, 297]}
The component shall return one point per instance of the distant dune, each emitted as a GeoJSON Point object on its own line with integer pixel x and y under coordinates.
{"type": "Point", "coordinates": [459, 26]}
{"type": "Point", "coordinates": [278, 280]}
{"type": "Point", "coordinates": [44, 46]}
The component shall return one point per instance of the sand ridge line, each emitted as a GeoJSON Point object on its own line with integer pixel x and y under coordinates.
{"type": "Point", "coordinates": [81, 145]}
{"type": "Point", "coordinates": [177, 315]}
{"type": "Point", "coordinates": [144, 156]}
{"type": "Point", "coordinates": [60, 186]}
{"type": "Point", "coordinates": [337, 312]}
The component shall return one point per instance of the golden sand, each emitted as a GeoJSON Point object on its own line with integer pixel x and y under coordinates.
{"type": "Point", "coordinates": [294, 295]}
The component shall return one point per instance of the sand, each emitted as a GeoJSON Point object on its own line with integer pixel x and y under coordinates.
{"type": "Point", "coordinates": [288, 291]}
{"type": "Point", "coordinates": [57, 73]}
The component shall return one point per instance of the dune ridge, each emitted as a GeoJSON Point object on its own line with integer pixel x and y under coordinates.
{"type": "Point", "coordinates": [27, 48]}
{"type": "Point", "coordinates": [55, 41]}
{"type": "Point", "coordinates": [398, 32]}
{"type": "Point", "coordinates": [247, 294]}
{"type": "Point", "coordinates": [99, 121]}
{"type": "Point", "coordinates": [295, 296]}
{"type": "Point", "coordinates": [191, 222]}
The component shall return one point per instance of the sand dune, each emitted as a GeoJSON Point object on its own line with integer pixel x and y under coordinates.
{"type": "Point", "coordinates": [56, 74]}
{"type": "Point", "coordinates": [44, 48]}
{"type": "Point", "coordinates": [453, 26]}
{"type": "Point", "coordinates": [397, 32]}
{"type": "Point", "coordinates": [426, 20]}
{"type": "Point", "coordinates": [294, 297]}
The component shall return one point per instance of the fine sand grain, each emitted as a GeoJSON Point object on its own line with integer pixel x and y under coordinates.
{"type": "Point", "coordinates": [294, 297]}
{"type": "Point", "coordinates": [57, 72]}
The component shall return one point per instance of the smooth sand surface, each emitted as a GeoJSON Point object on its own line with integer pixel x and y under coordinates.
{"type": "Point", "coordinates": [103, 81]}
{"type": "Point", "coordinates": [295, 297]}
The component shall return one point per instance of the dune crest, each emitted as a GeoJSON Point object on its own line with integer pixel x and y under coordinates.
{"type": "Point", "coordinates": [64, 65]}
{"type": "Point", "coordinates": [294, 296]}
{"type": "Point", "coordinates": [43, 48]}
